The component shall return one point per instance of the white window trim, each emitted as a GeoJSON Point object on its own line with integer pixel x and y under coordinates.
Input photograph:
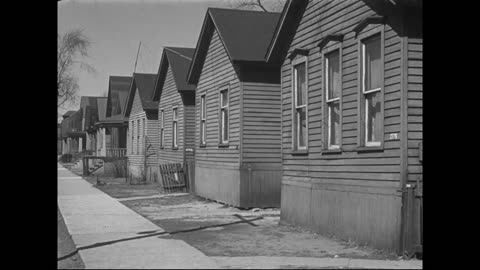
{"type": "Point", "coordinates": [222, 108]}
{"type": "Point", "coordinates": [329, 101]}
{"type": "Point", "coordinates": [369, 91]}
{"type": "Point", "coordinates": [162, 128]}
{"type": "Point", "coordinates": [138, 137]}
{"type": "Point", "coordinates": [175, 127]}
{"type": "Point", "coordinates": [144, 136]}
{"type": "Point", "coordinates": [203, 120]}
{"type": "Point", "coordinates": [295, 107]}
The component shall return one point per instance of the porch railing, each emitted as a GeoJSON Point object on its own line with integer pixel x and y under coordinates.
{"type": "Point", "coordinates": [116, 152]}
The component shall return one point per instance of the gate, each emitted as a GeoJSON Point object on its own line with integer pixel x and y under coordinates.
{"type": "Point", "coordinates": [173, 177]}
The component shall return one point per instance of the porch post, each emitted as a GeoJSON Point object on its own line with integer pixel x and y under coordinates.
{"type": "Point", "coordinates": [104, 142]}
{"type": "Point", "coordinates": [80, 143]}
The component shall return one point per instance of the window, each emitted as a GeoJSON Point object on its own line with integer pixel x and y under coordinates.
{"type": "Point", "coordinates": [175, 128]}
{"type": "Point", "coordinates": [162, 132]}
{"type": "Point", "coordinates": [300, 105]}
{"type": "Point", "coordinates": [333, 90]}
{"type": "Point", "coordinates": [223, 116]}
{"type": "Point", "coordinates": [144, 136]}
{"type": "Point", "coordinates": [138, 137]}
{"type": "Point", "coordinates": [133, 137]}
{"type": "Point", "coordinates": [202, 120]}
{"type": "Point", "coordinates": [371, 85]}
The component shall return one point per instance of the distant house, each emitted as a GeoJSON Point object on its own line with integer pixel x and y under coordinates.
{"type": "Point", "coordinates": [89, 107]}
{"type": "Point", "coordinates": [142, 113]}
{"type": "Point", "coordinates": [352, 118]}
{"type": "Point", "coordinates": [59, 138]}
{"type": "Point", "coordinates": [176, 106]}
{"type": "Point", "coordinates": [112, 125]}
{"type": "Point", "coordinates": [63, 129]}
{"type": "Point", "coordinates": [72, 132]}
{"type": "Point", "coordinates": [238, 110]}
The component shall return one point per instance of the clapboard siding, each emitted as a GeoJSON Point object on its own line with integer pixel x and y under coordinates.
{"type": "Point", "coordinates": [415, 107]}
{"type": "Point", "coordinates": [261, 123]}
{"type": "Point", "coordinates": [350, 174]}
{"type": "Point", "coordinates": [189, 115]}
{"type": "Point", "coordinates": [217, 71]}
{"type": "Point", "coordinates": [347, 14]}
{"type": "Point", "coordinates": [148, 134]}
{"type": "Point", "coordinates": [136, 113]}
{"type": "Point", "coordinates": [169, 99]}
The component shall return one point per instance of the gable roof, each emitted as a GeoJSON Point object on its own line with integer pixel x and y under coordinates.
{"type": "Point", "coordinates": [293, 11]}
{"type": "Point", "coordinates": [102, 108]}
{"type": "Point", "coordinates": [120, 85]}
{"type": "Point", "coordinates": [144, 82]}
{"type": "Point", "coordinates": [245, 34]}
{"type": "Point", "coordinates": [179, 60]}
{"type": "Point", "coordinates": [67, 114]}
{"type": "Point", "coordinates": [289, 18]}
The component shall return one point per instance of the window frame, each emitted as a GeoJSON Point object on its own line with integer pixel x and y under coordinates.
{"type": "Point", "coordinates": [362, 144]}
{"type": "Point", "coordinates": [132, 131]}
{"type": "Point", "coordinates": [144, 136]}
{"type": "Point", "coordinates": [326, 51]}
{"type": "Point", "coordinates": [295, 124]}
{"type": "Point", "coordinates": [203, 120]}
{"type": "Point", "coordinates": [138, 136]}
{"type": "Point", "coordinates": [222, 142]}
{"type": "Point", "coordinates": [162, 129]}
{"type": "Point", "coordinates": [174, 128]}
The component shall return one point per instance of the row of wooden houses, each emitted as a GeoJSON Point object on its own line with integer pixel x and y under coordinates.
{"type": "Point", "coordinates": [316, 110]}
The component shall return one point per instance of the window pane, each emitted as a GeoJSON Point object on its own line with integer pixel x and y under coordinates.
{"type": "Point", "coordinates": [334, 122]}
{"type": "Point", "coordinates": [302, 127]}
{"type": "Point", "coordinates": [174, 133]}
{"type": "Point", "coordinates": [300, 84]}
{"type": "Point", "coordinates": [202, 131]}
{"type": "Point", "coordinates": [224, 95]}
{"type": "Point", "coordinates": [161, 137]}
{"type": "Point", "coordinates": [202, 107]}
{"type": "Point", "coordinates": [373, 110]}
{"type": "Point", "coordinates": [225, 124]}
{"type": "Point", "coordinates": [333, 70]}
{"type": "Point", "coordinates": [372, 63]}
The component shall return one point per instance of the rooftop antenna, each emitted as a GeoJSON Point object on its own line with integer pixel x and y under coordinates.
{"type": "Point", "coordinates": [135, 68]}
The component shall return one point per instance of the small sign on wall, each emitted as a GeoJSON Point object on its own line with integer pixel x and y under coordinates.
{"type": "Point", "coordinates": [189, 150]}
{"type": "Point", "coordinates": [393, 136]}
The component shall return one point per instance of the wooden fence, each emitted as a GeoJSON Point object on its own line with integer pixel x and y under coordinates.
{"type": "Point", "coordinates": [116, 152]}
{"type": "Point", "coordinates": [173, 177]}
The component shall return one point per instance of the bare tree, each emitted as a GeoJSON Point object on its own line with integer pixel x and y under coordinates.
{"type": "Point", "coordinates": [72, 48]}
{"type": "Point", "coordinates": [263, 5]}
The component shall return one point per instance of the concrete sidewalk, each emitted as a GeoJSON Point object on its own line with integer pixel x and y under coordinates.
{"type": "Point", "coordinates": [108, 234]}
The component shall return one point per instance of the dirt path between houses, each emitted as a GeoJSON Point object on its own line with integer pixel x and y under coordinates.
{"type": "Point", "coordinates": [220, 230]}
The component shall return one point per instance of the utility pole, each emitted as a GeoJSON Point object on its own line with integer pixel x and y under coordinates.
{"type": "Point", "coordinates": [135, 68]}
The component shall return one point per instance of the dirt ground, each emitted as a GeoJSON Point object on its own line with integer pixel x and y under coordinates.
{"type": "Point", "coordinates": [220, 230]}
{"type": "Point", "coordinates": [67, 258]}
{"type": "Point", "coordinates": [119, 188]}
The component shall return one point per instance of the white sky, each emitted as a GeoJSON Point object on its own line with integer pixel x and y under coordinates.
{"type": "Point", "coordinates": [115, 28]}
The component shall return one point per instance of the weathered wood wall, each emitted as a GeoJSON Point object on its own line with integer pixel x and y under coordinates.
{"type": "Point", "coordinates": [351, 194]}
{"type": "Point", "coordinates": [415, 97]}
{"type": "Point", "coordinates": [136, 159]}
{"type": "Point", "coordinates": [261, 154]}
{"type": "Point", "coordinates": [169, 99]}
{"type": "Point", "coordinates": [216, 168]}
